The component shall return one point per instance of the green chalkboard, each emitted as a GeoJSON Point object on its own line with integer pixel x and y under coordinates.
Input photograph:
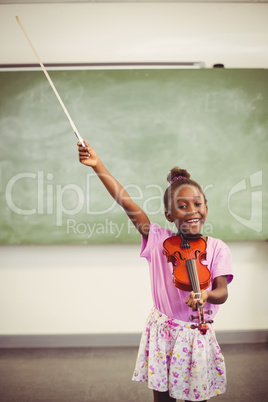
{"type": "Point", "coordinates": [214, 122]}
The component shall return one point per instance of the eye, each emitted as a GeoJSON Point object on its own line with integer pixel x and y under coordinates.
{"type": "Point", "coordinates": [198, 204]}
{"type": "Point", "coordinates": [181, 206]}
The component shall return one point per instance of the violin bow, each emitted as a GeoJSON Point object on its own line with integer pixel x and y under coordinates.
{"type": "Point", "coordinates": [76, 132]}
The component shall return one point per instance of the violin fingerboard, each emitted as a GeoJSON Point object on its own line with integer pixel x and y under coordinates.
{"type": "Point", "coordinates": [192, 272]}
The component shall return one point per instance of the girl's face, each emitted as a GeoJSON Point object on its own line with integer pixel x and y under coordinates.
{"type": "Point", "coordinates": [188, 209]}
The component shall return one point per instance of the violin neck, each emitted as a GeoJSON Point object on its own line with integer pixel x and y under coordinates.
{"type": "Point", "coordinates": [192, 272]}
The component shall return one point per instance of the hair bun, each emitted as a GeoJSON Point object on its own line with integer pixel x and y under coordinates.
{"type": "Point", "coordinates": [176, 173]}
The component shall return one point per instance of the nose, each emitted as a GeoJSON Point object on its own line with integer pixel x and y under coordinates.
{"type": "Point", "coordinates": [191, 210]}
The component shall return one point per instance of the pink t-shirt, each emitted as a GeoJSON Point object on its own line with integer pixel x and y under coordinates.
{"type": "Point", "coordinates": [166, 297]}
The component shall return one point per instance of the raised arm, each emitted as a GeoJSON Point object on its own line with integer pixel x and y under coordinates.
{"type": "Point", "coordinates": [88, 157]}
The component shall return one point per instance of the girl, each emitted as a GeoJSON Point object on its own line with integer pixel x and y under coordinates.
{"type": "Point", "coordinates": [177, 361]}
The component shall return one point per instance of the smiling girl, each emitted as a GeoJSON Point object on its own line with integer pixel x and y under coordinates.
{"type": "Point", "coordinates": [177, 361]}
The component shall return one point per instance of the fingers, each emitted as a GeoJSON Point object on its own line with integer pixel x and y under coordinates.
{"type": "Point", "coordinates": [80, 146]}
{"type": "Point", "coordinates": [83, 152]}
{"type": "Point", "coordinates": [192, 302]}
{"type": "Point", "coordinates": [85, 142]}
{"type": "Point", "coordinates": [87, 155]}
{"type": "Point", "coordinates": [82, 149]}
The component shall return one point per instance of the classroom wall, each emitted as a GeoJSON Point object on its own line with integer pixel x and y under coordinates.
{"type": "Point", "coordinates": [233, 34]}
{"type": "Point", "coordinates": [104, 289]}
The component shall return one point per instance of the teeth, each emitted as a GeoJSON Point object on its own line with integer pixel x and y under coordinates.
{"type": "Point", "coordinates": [193, 220]}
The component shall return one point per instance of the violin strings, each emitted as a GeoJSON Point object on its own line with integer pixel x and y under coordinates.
{"type": "Point", "coordinates": [192, 271]}
{"type": "Point", "coordinates": [194, 280]}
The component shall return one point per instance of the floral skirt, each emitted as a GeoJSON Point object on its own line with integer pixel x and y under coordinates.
{"type": "Point", "coordinates": [176, 358]}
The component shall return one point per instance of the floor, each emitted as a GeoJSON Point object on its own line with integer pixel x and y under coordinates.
{"type": "Point", "coordinates": [104, 375]}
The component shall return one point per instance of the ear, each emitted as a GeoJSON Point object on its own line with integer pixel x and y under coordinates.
{"type": "Point", "coordinates": [169, 216]}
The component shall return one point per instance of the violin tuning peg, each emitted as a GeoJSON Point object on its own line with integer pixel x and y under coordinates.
{"type": "Point", "coordinates": [209, 312]}
{"type": "Point", "coordinates": [193, 317]}
{"type": "Point", "coordinates": [194, 326]}
{"type": "Point", "coordinates": [209, 322]}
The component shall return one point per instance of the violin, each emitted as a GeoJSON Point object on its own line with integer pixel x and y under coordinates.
{"type": "Point", "coordinates": [190, 271]}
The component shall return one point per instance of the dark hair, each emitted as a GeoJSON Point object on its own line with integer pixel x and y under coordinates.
{"type": "Point", "coordinates": [176, 178]}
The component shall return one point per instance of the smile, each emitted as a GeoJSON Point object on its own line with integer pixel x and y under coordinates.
{"type": "Point", "coordinates": [193, 220]}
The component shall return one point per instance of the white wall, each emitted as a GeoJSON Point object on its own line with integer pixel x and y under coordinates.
{"type": "Point", "coordinates": [234, 34]}
{"type": "Point", "coordinates": [105, 289]}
